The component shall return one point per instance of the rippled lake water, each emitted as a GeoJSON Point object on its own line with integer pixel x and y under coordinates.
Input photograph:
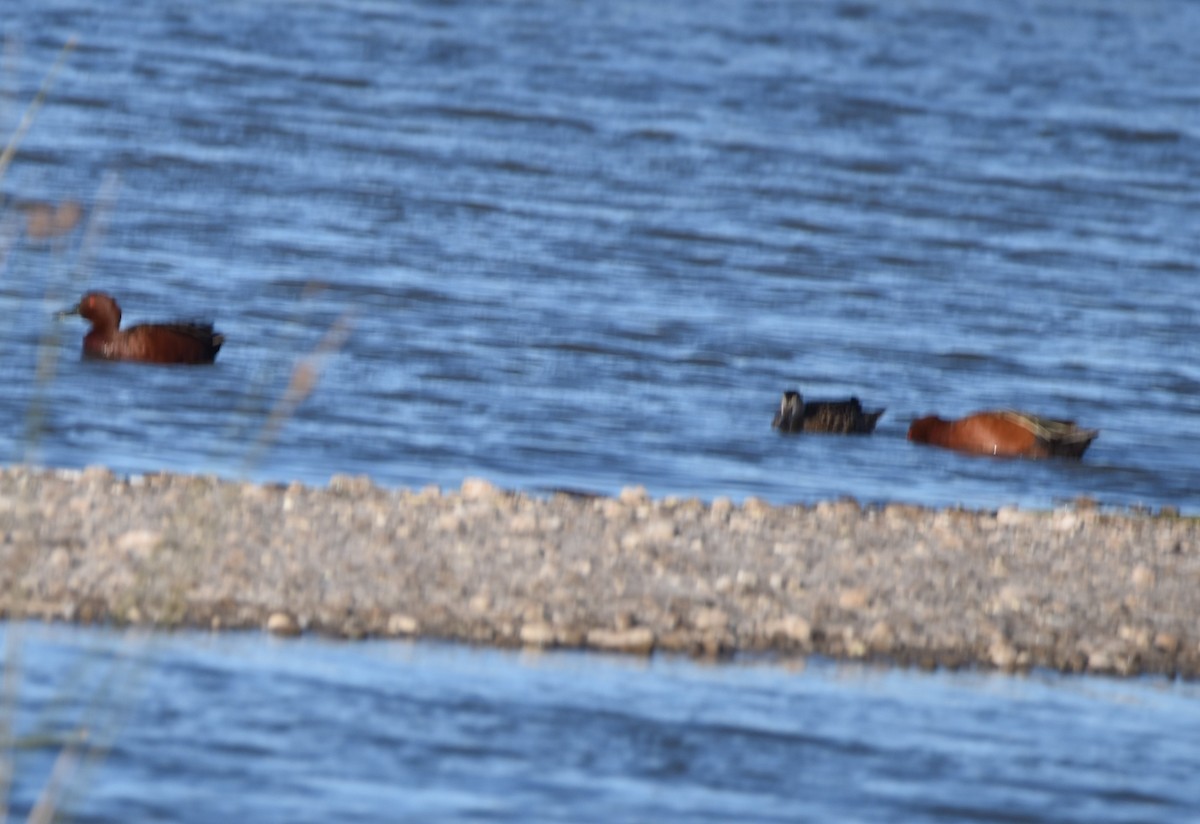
{"type": "Point", "coordinates": [591, 245]}
{"type": "Point", "coordinates": [238, 728]}
{"type": "Point", "coordinates": [588, 245]}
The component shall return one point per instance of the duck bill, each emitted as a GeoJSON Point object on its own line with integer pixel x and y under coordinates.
{"type": "Point", "coordinates": [66, 313]}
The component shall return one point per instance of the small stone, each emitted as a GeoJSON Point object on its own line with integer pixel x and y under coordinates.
{"type": "Point", "coordinates": [709, 619]}
{"type": "Point", "coordinates": [1142, 576]}
{"type": "Point", "coordinates": [756, 507]}
{"type": "Point", "coordinates": [1002, 654]}
{"type": "Point", "coordinates": [1010, 598]}
{"type": "Point", "coordinates": [1010, 515]}
{"type": "Point", "coordinates": [660, 531]}
{"type": "Point", "coordinates": [478, 489]}
{"type": "Point", "coordinates": [613, 509]}
{"type": "Point", "coordinates": [350, 484]}
{"type": "Point", "coordinates": [451, 522]}
{"type": "Point", "coordinates": [633, 495]}
{"type": "Point", "coordinates": [902, 513]}
{"type": "Point", "coordinates": [96, 474]}
{"type": "Point", "coordinates": [570, 637]}
{"type": "Point", "coordinates": [1138, 636]}
{"type": "Point", "coordinates": [856, 647]}
{"type": "Point", "coordinates": [657, 533]}
{"type": "Point", "coordinates": [839, 509]}
{"type": "Point", "coordinates": [429, 493]}
{"type": "Point", "coordinates": [401, 624]}
{"type": "Point", "coordinates": [523, 523]}
{"type": "Point", "coordinates": [140, 543]}
{"type": "Point", "coordinates": [721, 507]}
{"type": "Point", "coordinates": [1167, 642]}
{"type": "Point", "coordinates": [746, 580]}
{"type": "Point", "coordinates": [1065, 520]}
{"type": "Point", "coordinates": [854, 598]}
{"type": "Point", "coordinates": [636, 641]}
{"type": "Point", "coordinates": [538, 635]}
{"type": "Point", "coordinates": [1099, 661]}
{"type": "Point", "coordinates": [534, 613]}
{"type": "Point", "coordinates": [283, 624]}
{"type": "Point", "coordinates": [793, 628]}
{"type": "Point", "coordinates": [880, 637]}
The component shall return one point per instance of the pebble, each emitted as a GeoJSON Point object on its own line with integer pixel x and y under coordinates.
{"type": "Point", "coordinates": [881, 638]}
{"type": "Point", "coordinates": [721, 507]}
{"type": "Point", "coordinates": [756, 507]}
{"type": "Point", "coordinates": [792, 628]}
{"type": "Point", "coordinates": [635, 641]}
{"type": "Point", "coordinates": [1142, 577]}
{"type": "Point", "coordinates": [1002, 654]}
{"type": "Point", "coordinates": [401, 624]}
{"type": "Point", "coordinates": [538, 635]}
{"type": "Point", "coordinates": [708, 619]}
{"type": "Point", "coordinates": [1167, 642]}
{"type": "Point", "coordinates": [141, 543]}
{"type": "Point", "coordinates": [633, 495]}
{"type": "Point", "coordinates": [350, 484]}
{"type": "Point", "coordinates": [1011, 515]}
{"type": "Point", "coordinates": [283, 624]}
{"type": "Point", "coordinates": [478, 489]}
{"type": "Point", "coordinates": [1064, 520]}
{"type": "Point", "coordinates": [853, 599]}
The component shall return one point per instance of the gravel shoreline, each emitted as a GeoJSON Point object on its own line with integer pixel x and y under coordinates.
{"type": "Point", "coordinates": [1076, 589]}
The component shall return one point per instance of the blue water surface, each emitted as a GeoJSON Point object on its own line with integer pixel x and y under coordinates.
{"type": "Point", "coordinates": [589, 245]}
{"type": "Point", "coordinates": [194, 727]}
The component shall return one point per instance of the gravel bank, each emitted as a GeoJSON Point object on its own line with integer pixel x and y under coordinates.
{"type": "Point", "coordinates": [1074, 589]}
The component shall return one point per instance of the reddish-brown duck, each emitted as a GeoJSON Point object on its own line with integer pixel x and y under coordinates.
{"type": "Point", "coordinates": [181, 342]}
{"type": "Point", "coordinates": [836, 417]}
{"type": "Point", "coordinates": [1005, 433]}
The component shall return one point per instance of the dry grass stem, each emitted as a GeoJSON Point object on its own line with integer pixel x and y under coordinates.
{"type": "Point", "coordinates": [49, 343]}
{"type": "Point", "coordinates": [34, 107]}
{"type": "Point", "coordinates": [303, 381]}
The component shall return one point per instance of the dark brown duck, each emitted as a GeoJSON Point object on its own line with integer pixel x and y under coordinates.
{"type": "Point", "coordinates": [179, 342]}
{"type": "Point", "coordinates": [836, 417]}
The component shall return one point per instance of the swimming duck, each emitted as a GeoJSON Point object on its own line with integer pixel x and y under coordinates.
{"type": "Point", "coordinates": [179, 342]}
{"type": "Point", "coordinates": [1005, 433]}
{"type": "Point", "coordinates": [837, 417]}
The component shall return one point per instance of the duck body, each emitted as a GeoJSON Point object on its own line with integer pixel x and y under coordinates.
{"type": "Point", "coordinates": [1005, 433]}
{"type": "Point", "coordinates": [835, 417]}
{"type": "Point", "coordinates": [164, 343]}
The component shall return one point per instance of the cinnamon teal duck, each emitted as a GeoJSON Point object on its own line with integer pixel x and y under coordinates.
{"type": "Point", "coordinates": [1005, 433]}
{"type": "Point", "coordinates": [177, 342]}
